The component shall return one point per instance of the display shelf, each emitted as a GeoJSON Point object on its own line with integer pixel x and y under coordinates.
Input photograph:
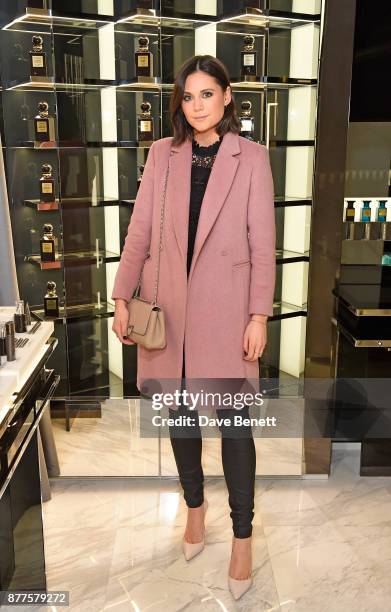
{"type": "Point", "coordinates": [33, 83]}
{"type": "Point", "coordinates": [285, 256]}
{"type": "Point", "coordinates": [261, 83]}
{"type": "Point", "coordinates": [75, 258]}
{"type": "Point", "coordinates": [68, 203]}
{"type": "Point", "coordinates": [283, 201]}
{"type": "Point", "coordinates": [42, 206]}
{"type": "Point", "coordinates": [140, 83]}
{"type": "Point", "coordinates": [33, 17]}
{"type": "Point", "coordinates": [77, 313]}
{"type": "Point", "coordinates": [284, 310]}
{"type": "Point", "coordinates": [291, 143]}
{"type": "Point", "coordinates": [140, 16]}
{"type": "Point", "coordinates": [269, 18]}
{"type": "Point", "coordinates": [154, 83]}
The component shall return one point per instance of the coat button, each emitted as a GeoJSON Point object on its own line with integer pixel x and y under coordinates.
{"type": "Point", "coordinates": [224, 252]}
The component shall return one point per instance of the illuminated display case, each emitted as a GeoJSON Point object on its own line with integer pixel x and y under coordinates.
{"type": "Point", "coordinates": [88, 75]}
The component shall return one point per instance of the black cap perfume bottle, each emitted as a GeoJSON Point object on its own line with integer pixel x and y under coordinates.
{"type": "Point", "coordinates": [48, 243]}
{"type": "Point", "coordinates": [44, 124]}
{"type": "Point", "coordinates": [145, 123]}
{"type": "Point", "coordinates": [246, 120]}
{"type": "Point", "coordinates": [38, 64]}
{"type": "Point", "coordinates": [51, 302]}
{"type": "Point", "coordinates": [46, 184]}
{"type": "Point", "coordinates": [248, 57]}
{"type": "Point", "coordinates": [143, 58]}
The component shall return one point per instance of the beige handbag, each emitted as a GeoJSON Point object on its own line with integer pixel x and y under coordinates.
{"type": "Point", "coordinates": [146, 319]}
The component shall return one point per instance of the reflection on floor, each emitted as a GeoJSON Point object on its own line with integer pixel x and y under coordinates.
{"type": "Point", "coordinates": [112, 446]}
{"type": "Point", "coordinates": [319, 545]}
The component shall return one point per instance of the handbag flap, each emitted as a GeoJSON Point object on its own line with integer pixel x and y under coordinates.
{"type": "Point", "coordinates": [139, 314]}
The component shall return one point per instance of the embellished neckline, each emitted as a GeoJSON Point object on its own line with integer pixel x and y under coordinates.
{"type": "Point", "coordinates": [206, 149]}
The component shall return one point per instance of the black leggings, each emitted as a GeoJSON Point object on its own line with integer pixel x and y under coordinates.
{"type": "Point", "coordinates": [238, 458]}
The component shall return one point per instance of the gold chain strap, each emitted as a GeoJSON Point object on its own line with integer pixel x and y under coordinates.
{"type": "Point", "coordinates": [154, 302]}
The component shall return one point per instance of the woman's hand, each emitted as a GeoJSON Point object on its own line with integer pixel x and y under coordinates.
{"type": "Point", "coordinates": [120, 323]}
{"type": "Point", "coordinates": [254, 340]}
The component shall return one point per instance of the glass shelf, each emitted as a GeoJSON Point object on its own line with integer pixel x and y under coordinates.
{"type": "Point", "coordinates": [42, 206]}
{"type": "Point", "coordinates": [289, 311]}
{"type": "Point", "coordinates": [140, 16]}
{"type": "Point", "coordinates": [155, 83]}
{"type": "Point", "coordinates": [36, 16]}
{"type": "Point", "coordinates": [82, 258]}
{"type": "Point", "coordinates": [76, 313]}
{"type": "Point", "coordinates": [46, 83]}
{"type": "Point", "coordinates": [291, 143]}
{"type": "Point", "coordinates": [250, 17]}
{"type": "Point", "coordinates": [140, 83]}
{"type": "Point", "coordinates": [72, 203]}
{"type": "Point", "coordinates": [291, 256]}
{"type": "Point", "coordinates": [269, 18]}
{"type": "Point", "coordinates": [283, 201]}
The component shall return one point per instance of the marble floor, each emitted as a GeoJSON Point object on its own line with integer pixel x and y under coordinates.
{"type": "Point", "coordinates": [318, 545]}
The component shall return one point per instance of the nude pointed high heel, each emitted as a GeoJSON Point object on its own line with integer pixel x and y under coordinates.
{"type": "Point", "coordinates": [239, 587]}
{"type": "Point", "coordinates": [190, 550]}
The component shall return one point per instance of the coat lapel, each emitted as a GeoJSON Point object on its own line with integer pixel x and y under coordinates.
{"type": "Point", "coordinates": [217, 189]}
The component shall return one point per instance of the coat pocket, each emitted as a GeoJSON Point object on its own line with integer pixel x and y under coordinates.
{"type": "Point", "coordinates": [239, 264]}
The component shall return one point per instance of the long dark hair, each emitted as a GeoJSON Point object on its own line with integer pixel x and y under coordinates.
{"type": "Point", "coordinates": [215, 68]}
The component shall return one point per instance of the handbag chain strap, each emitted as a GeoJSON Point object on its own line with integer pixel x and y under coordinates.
{"type": "Point", "coordinates": [154, 302]}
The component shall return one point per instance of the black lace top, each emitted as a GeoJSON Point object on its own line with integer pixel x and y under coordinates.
{"type": "Point", "coordinates": [201, 166]}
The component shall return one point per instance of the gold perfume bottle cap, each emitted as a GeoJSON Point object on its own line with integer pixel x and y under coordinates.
{"type": "Point", "coordinates": [248, 42]}
{"type": "Point", "coordinates": [143, 43]}
{"type": "Point", "coordinates": [43, 108]}
{"type": "Point", "coordinates": [246, 107]}
{"type": "Point", "coordinates": [37, 43]}
{"type": "Point", "coordinates": [46, 170]}
{"type": "Point", "coordinates": [145, 107]}
{"type": "Point", "coordinates": [48, 229]}
{"type": "Point", "coordinates": [51, 287]}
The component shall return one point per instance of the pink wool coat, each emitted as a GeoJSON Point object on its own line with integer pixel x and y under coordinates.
{"type": "Point", "coordinates": [233, 269]}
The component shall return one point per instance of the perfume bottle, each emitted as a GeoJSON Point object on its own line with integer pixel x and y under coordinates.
{"type": "Point", "coordinates": [46, 184]}
{"type": "Point", "coordinates": [10, 342]}
{"type": "Point", "coordinates": [350, 211]}
{"type": "Point", "coordinates": [246, 120]}
{"type": "Point", "coordinates": [141, 170]}
{"type": "Point", "coordinates": [382, 211]}
{"type": "Point", "coordinates": [43, 124]}
{"type": "Point", "coordinates": [48, 243]}
{"type": "Point", "coordinates": [51, 303]}
{"type": "Point", "coordinates": [143, 58]}
{"type": "Point", "coordinates": [248, 56]}
{"type": "Point", "coordinates": [38, 64]}
{"type": "Point", "coordinates": [366, 211]}
{"type": "Point", "coordinates": [28, 314]}
{"type": "Point", "coordinates": [145, 123]}
{"type": "Point", "coordinates": [20, 317]}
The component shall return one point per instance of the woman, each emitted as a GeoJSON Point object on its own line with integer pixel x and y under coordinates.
{"type": "Point", "coordinates": [216, 283]}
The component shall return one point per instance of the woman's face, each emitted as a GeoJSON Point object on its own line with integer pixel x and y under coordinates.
{"type": "Point", "coordinates": [203, 101]}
